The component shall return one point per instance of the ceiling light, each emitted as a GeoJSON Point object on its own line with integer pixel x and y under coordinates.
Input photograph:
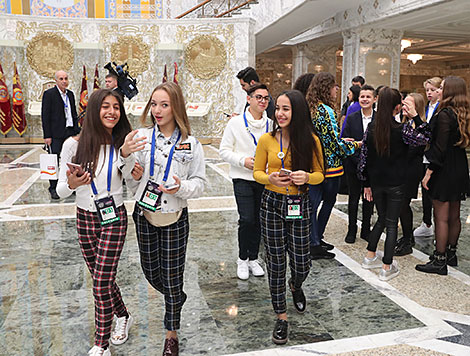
{"type": "Point", "coordinates": [405, 44]}
{"type": "Point", "coordinates": [414, 57]}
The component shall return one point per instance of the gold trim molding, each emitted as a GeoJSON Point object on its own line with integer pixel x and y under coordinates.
{"type": "Point", "coordinates": [133, 51]}
{"type": "Point", "coordinates": [49, 52]}
{"type": "Point", "coordinates": [205, 56]}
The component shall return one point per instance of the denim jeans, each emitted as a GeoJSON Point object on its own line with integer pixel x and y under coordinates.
{"type": "Point", "coordinates": [248, 197]}
{"type": "Point", "coordinates": [325, 192]}
{"type": "Point", "coordinates": [388, 201]}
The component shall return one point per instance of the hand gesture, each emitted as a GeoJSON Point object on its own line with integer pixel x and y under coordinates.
{"type": "Point", "coordinates": [137, 171]}
{"type": "Point", "coordinates": [171, 191]}
{"type": "Point", "coordinates": [409, 108]}
{"type": "Point", "coordinates": [299, 177]}
{"type": "Point", "coordinates": [249, 163]}
{"type": "Point", "coordinates": [75, 181]}
{"type": "Point", "coordinates": [132, 144]}
{"type": "Point", "coordinates": [368, 194]}
{"type": "Point", "coordinates": [278, 180]}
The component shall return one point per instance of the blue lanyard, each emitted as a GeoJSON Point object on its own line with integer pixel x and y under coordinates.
{"type": "Point", "coordinates": [248, 129]}
{"type": "Point", "coordinates": [282, 159]}
{"type": "Point", "coordinates": [110, 171]}
{"type": "Point", "coordinates": [168, 162]}
{"type": "Point", "coordinates": [433, 112]}
{"type": "Point", "coordinates": [66, 101]}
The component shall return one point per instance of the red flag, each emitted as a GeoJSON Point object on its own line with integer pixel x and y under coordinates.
{"type": "Point", "coordinates": [5, 106]}
{"type": "Point", "coordinates": [83, 98]}
{"type": "Point", "coordinates": [96, 82]}
{"type": "Point", "coordinates": [19, 119]}
{"type": "Point", "coordinates": [175, 75]}
{"type": "Point", "coordinates": [165, 76]}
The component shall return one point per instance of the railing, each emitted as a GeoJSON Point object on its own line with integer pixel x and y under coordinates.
{"type": "Point", "coordinates": [218, 8]}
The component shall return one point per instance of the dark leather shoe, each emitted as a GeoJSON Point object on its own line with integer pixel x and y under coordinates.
{"type": "Point", "coordinates": [437, 266]}
{"type": "Point", "coordinates": [326, 245]}
{"type": "Point", "coordinates": [350, 238]}
{"type": "Point", "coordinates": [300, 303]}
{"type": "Point", "coordinates": [403, 247]}
{"type": "Point", "coordinates": [171, 347]}
{"type": "Point", "coordinates": [319, 253]}
{"type": "Point", "coordinates": [452, 256]}
{"type": "Point", "coordinates": [365, 235]}
{"type": "Point", "coordinates": [280, 332]}
{"type": "Point", "coordinates": [54, 194]}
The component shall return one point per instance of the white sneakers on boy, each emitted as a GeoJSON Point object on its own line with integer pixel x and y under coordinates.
{"type": "Point", "coordinates": [423, 230]}
{"type": "Point", "coordinates": [255, 268]}
{"type": "Point", "coordinates": [242, 269]}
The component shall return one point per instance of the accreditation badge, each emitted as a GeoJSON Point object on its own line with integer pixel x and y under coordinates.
{"type": "Point", "coordinates": [151, 197]}
{"type": "Point", "coordinates": [294, 207]}
{"type": "Point", "coordinates": [106, 210]}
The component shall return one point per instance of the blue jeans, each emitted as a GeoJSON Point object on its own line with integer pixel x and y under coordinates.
{"type": "Point", "coordinates": [325, 192]}
{"type": "Point", "coordinates": [248, 197]}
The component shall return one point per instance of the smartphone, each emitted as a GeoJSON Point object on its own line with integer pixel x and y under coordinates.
{"type": "Point", "coordinates": [76, 167]}
{"type": "Point", "coordinates": [171, 186]}
{"type": "Point", "coordinates": [284, 172]}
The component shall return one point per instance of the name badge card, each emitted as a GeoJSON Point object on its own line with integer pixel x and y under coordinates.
{"type": "Point", "coordinates": [151, 197]}
{"type": "Point", "coordinates": [294, 207]}
{"type": "Point", "coordinates": [106, 209]}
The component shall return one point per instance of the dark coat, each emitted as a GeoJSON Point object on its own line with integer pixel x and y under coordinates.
{"type": "Point", "coordinates": [53, 114]}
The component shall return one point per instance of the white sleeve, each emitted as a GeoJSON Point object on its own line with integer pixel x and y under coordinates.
{"type": "Point", "coordinates": [193, 185]}
{"type": "Point", "coordinates": [227, 147]}
{"type": "Point", "coordinates": [68, 151]}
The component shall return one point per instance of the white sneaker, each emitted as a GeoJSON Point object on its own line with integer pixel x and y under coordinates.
{"type": "Point", "coordinates": [255, 268]}
{"type": "Point", "coordinates": [121, 330]}
{"type": "Point", "coordinates": [242, 269]}
{"type": "Point", "coordinates": [423, 230]}
{"type": "Point", "coordinates": [99, 351]}
{"type": "Point", "coordinates": [370, 263]}
{"type": "Point", "coordinates": [386, 275]}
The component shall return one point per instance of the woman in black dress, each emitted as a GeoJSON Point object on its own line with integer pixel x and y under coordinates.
{"type": "Point", "coordinates": [447, 175]}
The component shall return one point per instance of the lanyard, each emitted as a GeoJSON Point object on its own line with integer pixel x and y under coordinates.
{"type": "Point", "coordinates": [248, 129]}
{"type": "Point", "coordinates": [110, 171]}
{"type": "Point", "coordinates": [433, 112]}
{"type": "Point", "coordinates": [66, 101]}
{"type": "Point", "coordinates": [168, 162]}
{"type": "Point", "coordinates": [281, 156]}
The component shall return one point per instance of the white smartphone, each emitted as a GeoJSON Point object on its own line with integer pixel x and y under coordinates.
{"type": "Point", "coordinates": [76, 167]}
{"type": "Point", "coordinates": [285, 172]}
{"type": "Point", "coordinates": [171, 186]}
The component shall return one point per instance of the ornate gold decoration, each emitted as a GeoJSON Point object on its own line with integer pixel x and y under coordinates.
{"type": "Point", "coordinates": [25, 30]}
{"type": "Point", "coordinates": [49, 52]}
{"type": "Point", "coordinates": [133, 51]}
{"type": "Point", "coordinates": [205, 56]}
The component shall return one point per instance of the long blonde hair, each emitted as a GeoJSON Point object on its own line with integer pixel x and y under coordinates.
{"type": "Point", "coordinates": [178, 108]}
{"type": "Point", "coordinates": [420, 105]}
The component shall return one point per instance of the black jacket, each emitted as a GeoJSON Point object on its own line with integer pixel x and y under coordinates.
{"type": "Point", "coordinates": [53, 113]}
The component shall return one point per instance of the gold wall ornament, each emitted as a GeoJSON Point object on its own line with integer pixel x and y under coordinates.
{"type": "Point", "coordinates": [205, 56]}
{"type": "Point", "coordinates": [133, 51]}
{"type": "Point", "coordinates": [49, 52]}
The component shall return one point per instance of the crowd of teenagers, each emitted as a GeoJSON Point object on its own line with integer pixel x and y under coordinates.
{"type": "Point", "coordinates": [287, 155]}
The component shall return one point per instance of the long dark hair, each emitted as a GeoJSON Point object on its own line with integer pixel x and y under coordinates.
{"type": "Point", "coordinates": [454, 96]}
{"type": "Point", "coordinates": [300, 130]}
{"type": "Point", "coordinates": [303, 83]}
{"type": "Point", "coordinates": [94, 134]}
{"type": "Point", "coordinates": [384, 120]}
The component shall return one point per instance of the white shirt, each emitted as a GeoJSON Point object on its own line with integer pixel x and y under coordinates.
{"type": "Point", "coordinates": [67, 107]}
{"type": "Point", "coordinates": [237, 143]}
{"type": "Point", "coordinates": [85, 197]}
{"type": "Point", "coordinates": [366, 119]}
{"type": "Point", "coordinates": [431, 109]}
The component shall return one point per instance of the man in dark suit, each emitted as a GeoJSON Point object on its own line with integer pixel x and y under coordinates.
{"type": "Point", "coordinates": [354, 129]}
{"type": "Point", "coordinates": [59, 118]}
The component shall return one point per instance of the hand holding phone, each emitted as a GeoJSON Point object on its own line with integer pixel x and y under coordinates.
{"type": "Point", "coordinates": [284, 172]}
{"type": "Point", "coordinates": [76, 168]}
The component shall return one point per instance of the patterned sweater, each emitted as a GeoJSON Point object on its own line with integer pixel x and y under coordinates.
{"type": "Point", "coordinates": [334, 148]}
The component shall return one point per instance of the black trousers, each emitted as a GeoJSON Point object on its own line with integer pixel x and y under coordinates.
{"type": "Point", "coordinates": [388, 201]}
{"type": "Point", "coordinates": [355, 192]}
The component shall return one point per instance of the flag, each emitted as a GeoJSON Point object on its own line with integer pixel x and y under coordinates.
{"type": "Point", "coordinates": [165, 75]}
{"type": "Point", "coordinates": [19, 119]}
{"type": "Point", "coordinates": [83, 98]}
{"type": "Point", "coordinates": [5, 106]}
{"type": "Point", "coordinates": [96, 82]}
{"type": "Point", "coordinates": [175, 75]}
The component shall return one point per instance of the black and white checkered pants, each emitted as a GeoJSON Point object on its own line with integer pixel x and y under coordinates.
{"type": "Point", "coordinates": [162, 256]}
{"type": "Point", "coordinates": [281, 235]}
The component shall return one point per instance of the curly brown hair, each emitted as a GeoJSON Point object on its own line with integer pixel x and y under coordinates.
{"type": "Point", "coordinates": [319, 90]}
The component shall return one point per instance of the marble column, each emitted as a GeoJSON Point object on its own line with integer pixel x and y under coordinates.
{"type": "Point", "coordinates": [372, 53]}
{"type": "Point", "coordinates": [313, 57]}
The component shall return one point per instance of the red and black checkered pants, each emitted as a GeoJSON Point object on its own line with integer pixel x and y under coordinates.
{"type": "Point", "coordinates": [101, 248]}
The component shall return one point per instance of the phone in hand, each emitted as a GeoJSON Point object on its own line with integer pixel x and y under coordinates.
{"type": "Point", "coordinates": [285, 172]}
{"type": "Point", "coordinates": [76, 168]}
{"type": "Point", "coordinates": [170, 186]}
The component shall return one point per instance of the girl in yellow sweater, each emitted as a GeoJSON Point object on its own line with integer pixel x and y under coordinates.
{"type": "Point", "coordinates": [287, 160]}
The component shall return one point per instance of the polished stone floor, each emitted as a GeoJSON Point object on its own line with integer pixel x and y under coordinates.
{"type": "Point", "coordinates": [46, 303]}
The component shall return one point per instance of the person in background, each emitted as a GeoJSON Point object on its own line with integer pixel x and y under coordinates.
{"type": "Point", "coordinates": [321, 97]}
{"type": "Point", "coordinates": [384, 154]}
{"type": "Point", "coordinates": [431, 86]}
{"type": "Point", "coordinates": [354, 129]}
{"type": "Point", "coordinates": [303, 82]}
{"type": "Point", "coordinates": [353, 97]}
{"type": "Point", "coordinates": [238, 148]}
{"type": "Point", "coordinates": [357, 80]}
{"type": "Point", "coordinates": [287, 160]}
{"type": "Point", "coordinates": [447, 177]}
{"type": "Point", "coordinates": [111, 81]}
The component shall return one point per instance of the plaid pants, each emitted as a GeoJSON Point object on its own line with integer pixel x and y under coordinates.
{"type": "Point", "coordinates": [281, 235]}
{"type": "Point", "coordinates": [101, 248]}
{"type": "Point", "coordinates": [162, 256]}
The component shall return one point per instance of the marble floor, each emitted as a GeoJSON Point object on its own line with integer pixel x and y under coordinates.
{"type": "Point", "coordinates": [46, 303]}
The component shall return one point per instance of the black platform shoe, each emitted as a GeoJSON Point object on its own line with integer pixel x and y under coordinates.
{"type": "Point", "coordinates": [452, 255]}
{"type": "Point", "coordinates": [280, 332]}
{"type": "Point", "coordinates": [319, 253]}
{"type": "Point", "coordinates": [403, 247]}
{"type": "Point", "coordinates": [300, 303]}
{"type": "Point", "coordinates": [438, 265]}
{"type": "Point", "coordinates": [326, 245]}
{"type": "Point", "coordinates": [350, 238]}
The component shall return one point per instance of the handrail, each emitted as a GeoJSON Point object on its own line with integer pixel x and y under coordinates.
{"type": "Point", "coordinates": [234, 8]}
{"type": "Point", "coordinates": [193, 9]}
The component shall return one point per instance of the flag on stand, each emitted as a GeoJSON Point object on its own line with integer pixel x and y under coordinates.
{"type": "Point", "coordinates": [5, 106]}
{"type": "Point", "coordinates": [19, 119]}
{"type": "Point", "coordinates": [96, 82]}
{"type": "Point", "coordinates": [175, 75]}
{"type": "Point", "coordinates": [165, 75]}
{"type": "Point", "coordinates": [83, 98]}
